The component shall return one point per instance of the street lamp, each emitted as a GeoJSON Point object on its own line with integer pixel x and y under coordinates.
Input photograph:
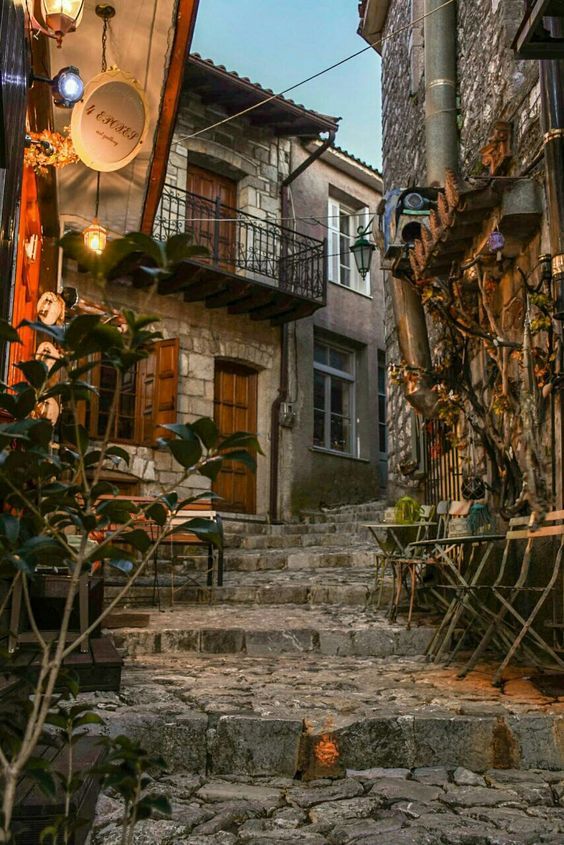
{"type": "Point", "coordinates": [62, 16]}
{"type": "Point", "coordinates": [362, 250]}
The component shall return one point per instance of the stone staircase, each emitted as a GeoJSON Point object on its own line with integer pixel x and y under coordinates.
{"type": "Point", "coordinates": [254, 678]}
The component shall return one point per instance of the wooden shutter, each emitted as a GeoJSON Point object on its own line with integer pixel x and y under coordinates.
{"type": "Point", "coordinates": [158, 390]}
{"type": "Point", "coordinates": [333, 211]}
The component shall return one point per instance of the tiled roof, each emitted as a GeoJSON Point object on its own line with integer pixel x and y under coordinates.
{"type": "Point", "coordinates": [357, 160]}
{"type": "Point", "coordinates": [196, 59]}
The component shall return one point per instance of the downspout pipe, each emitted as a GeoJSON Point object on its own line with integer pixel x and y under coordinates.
{"type": "Point", "coordinates": [441, 144]}
{"type": "Point", "coordinates": [282, 395]}
{"type": "Point", "coordinates": [552, 119]}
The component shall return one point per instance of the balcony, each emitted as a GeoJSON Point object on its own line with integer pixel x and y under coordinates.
{"type": "Point", "coordinates": [255, 267]}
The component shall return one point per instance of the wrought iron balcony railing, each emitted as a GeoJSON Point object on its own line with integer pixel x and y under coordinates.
{"type": "Point", "coordinates": [243, 244]}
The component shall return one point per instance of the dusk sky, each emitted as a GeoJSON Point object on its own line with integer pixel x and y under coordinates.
{"type": "Point", "coordinates": [280, 42]}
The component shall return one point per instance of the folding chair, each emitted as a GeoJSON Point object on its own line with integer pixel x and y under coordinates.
{"type": "Point", "coordinates": [508, 594]}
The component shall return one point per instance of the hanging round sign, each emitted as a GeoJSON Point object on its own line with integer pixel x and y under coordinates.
{"type": "Point", "coordinates": [110, 123]}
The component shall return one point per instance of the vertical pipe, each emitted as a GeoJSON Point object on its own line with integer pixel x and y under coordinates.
{"type": "Point", "coordinates": [441, 131]}
{"type": "Point", "coordinates": [552, 101]}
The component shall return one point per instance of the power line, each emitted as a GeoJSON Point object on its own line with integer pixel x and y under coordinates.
{"type": "Point", "coordinates": [269, 99]}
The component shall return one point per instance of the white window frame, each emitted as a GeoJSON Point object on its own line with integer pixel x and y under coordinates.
{"type": "Point", "coordinates": [338, 250]}
{"type": "Point", "coordinates": [332, 372]}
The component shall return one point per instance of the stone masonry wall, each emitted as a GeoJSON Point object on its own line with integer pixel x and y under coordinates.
{"type": "Point", "coordinates": [492, 86]}
{"type": "Point", "coordinates": [252, 156]}
{"type": "Point", "coordinates": [203, 335]}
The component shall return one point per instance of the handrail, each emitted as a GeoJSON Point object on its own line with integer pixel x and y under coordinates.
{"type": "Point", "coordinates": [245, 244]}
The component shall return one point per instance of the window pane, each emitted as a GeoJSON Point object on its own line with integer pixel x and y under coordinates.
{"type": "Point", "coordinates": [340, 433]}
{"type": "Point", "coordinates": [319, 391]}
{"type": "Point", "coordinates": [344, 223]}
{"type": "Point", "coordinates": [340, 397]}
{"type": "Point", "coordinates": [340, 360]}
{"type": "Point", "coordinates": [318, 428]}
{"type": "Point", "coordinates": [382, 408]}
{"type": "Point", "coordinates": [320, 353]}
{"type": "Point", "coordinates": [382, 438]}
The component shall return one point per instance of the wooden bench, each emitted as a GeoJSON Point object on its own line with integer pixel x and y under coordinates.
{"type": "Point", "coordinates": [201, 510]}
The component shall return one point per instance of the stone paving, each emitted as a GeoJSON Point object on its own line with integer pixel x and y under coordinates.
{"type": "Point", "coordinates": [290, 711]}
{"type": "Point", "coordinates": [428, 806]}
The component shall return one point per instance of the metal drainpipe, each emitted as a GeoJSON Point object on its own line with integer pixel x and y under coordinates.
{"type": "Point", "coordinates": [441, 143]}
{"type": "Point", "coordinates": [552, 103]}
{"type": "Point", "coordinates": [284, 377]}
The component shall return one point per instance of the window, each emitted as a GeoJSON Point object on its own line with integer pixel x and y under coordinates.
{"type": "Point", "coordinates": [333, 397]}
{"type": "Point", "coordinates": [382, 410]}
{"type": "Point", "coordinates": [343, 223]}
{"type": "Point", "coordinates": [147, 398]}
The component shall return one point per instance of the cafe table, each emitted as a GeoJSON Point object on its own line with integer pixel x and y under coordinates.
{"type": "Point", "coordinates": [392, 540]}
{"type": "Point", "coordinates": [448, 553]}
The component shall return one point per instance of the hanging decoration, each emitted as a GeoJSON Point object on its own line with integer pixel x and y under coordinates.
{"type": "Point", "coordinates": [95, 236]}
{"type": "Point", "coordinates": [49, 149]}
{"type": "Point", "coordinates": [111, 122]}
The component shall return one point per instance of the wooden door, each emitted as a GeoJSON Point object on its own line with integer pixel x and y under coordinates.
{"type": "Point", "coordinates": [235, 409]}
{"type": "Point", "coordinates": [201, 211]}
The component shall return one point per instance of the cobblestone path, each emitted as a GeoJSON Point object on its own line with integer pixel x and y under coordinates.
{"type": "Point", "coordinates": [375, 807]}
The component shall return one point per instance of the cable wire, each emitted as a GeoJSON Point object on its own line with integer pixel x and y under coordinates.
{"type": "Point", "coordinates": [269, 99]}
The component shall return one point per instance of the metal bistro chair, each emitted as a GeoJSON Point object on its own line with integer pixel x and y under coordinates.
{"type": "Point", "coordinates": [509, 592]}
{"type": "Point", "coordinates": [398, 561]}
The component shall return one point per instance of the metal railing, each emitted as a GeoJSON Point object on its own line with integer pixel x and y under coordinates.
{"type": "Point", "coordinates": [245, 244]}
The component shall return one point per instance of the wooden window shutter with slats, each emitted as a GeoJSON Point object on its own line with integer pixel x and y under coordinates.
{"type": "Point", "coordinates": [158, 390]}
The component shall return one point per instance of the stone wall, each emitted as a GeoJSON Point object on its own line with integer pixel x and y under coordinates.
{"type": "Point", "coordinates": [492, 86]}
{"type": "Point", "coordinates": [204, 336]}
{"type": "Point", "coordinates": [256, 159]}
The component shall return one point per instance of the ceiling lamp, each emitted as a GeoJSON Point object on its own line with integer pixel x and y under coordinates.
{"type": "Point", "coordinates": [95, 236]}
{"type": "Point", "coordinates": [62, 16]}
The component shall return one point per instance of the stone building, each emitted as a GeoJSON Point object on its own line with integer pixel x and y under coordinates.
{"type": "Point", "coordinates": [462, 130]}
{"type": "Point", "coordinates": [245, 325]}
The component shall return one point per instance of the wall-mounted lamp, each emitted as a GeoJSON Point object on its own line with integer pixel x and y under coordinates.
{"type": "Point", "coordinates": [362, 250]}
{"type": "Point", "coordinates": [67, 86]}
{"type": "Point", "coordinates": [60, 16]}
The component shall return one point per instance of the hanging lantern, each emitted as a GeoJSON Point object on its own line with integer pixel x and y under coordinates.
{"type": "Point", "coordinates": [95, 237]}
{"type": "Point", "coordinates": [62, 16]}
{"type": "Point", "coordinates": [362, 250]}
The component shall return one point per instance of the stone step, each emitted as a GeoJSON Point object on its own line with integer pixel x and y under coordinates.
{"type": "Point", "coordinates": [277, 630]}
{"type": "Point", "coordinates": [314, 557]}
{"type": "Point", "coordinates": [335, 586]}
{"type": "Point", "coordinates": [310, 715]}
{"type": "Point", "coordinates": [303, 540]}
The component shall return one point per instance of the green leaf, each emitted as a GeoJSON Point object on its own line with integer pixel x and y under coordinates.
{"type": "Point", "coordinates": [157, 512]}
{"type": "Point", "coordinates": [8, 332]}
{"type": "Point", "coordinates": [118, 452]}
{"type": "Point", "coordinates": [9, 527]}
{"type": "Point", "coordinates": [137, 538]}
{"type": "Point", "coordinates": [186, 452]}
{"type": "Point", "coordinates": [36, 372]}
{"type": "Point", "coordinates": [79, 327]}
{"type": "Point", "coordinates": [212, 467]}
{"type": "Point", "coordinates": [147, 246]}
{"type": "Point", "coordinates": [205, 529]}
{"type": "Point", "coordinates": [241, 457]}
{"type": "Point", "coordinates": [78, 436]}
{"type": "Point", "coordinates": [180, 247]}
{"type": "Point", "coordinates": [123, 565]}
{"type": "Point", "coordinates": [207, 431]}
{"type": "Point", "coordinates": [241, 440]}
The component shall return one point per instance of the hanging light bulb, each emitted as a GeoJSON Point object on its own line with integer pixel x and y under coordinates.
{"type": "Point", "coordinates": [62, 16]}
{"type": "Point", "coordinates": [95, 236]}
